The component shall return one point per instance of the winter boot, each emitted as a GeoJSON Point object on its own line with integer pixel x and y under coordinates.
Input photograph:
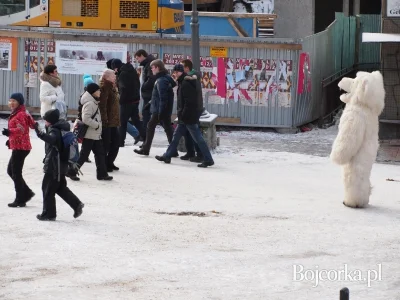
{"type": "Point", "coordinates": [187, 156]}
{"type": "Point", "coordinates": [17, 204]}
{"type": "Point", "coordinates": [106, 178]}
{"type": "Point", "coordinates": [78, 210]}
{"type": "Point", "coordinates": [206, 164]}
{"type": "Point", "coordinates": [196, 159]}
{"type": "Point", "coordinates": [164, 159]}
{"type": "Point", "coordinates": [43, 217]}
{"type": "Point", "coordinates": [141, 152]}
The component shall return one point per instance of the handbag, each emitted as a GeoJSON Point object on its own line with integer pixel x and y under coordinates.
{"type": "Point", "coordinates": [80, 128]}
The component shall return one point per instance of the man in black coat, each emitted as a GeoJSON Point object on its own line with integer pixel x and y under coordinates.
{"type": "Point", "coordinates": [129, 96]}
{"type": "Point", "coordinates": [55, 168]}
{"type": "Point", "coordinates": [162, 102]}
{"type": "Point", "coordinates": [188, 118]}
{"type": "Point", "coordinates": [148, 80]}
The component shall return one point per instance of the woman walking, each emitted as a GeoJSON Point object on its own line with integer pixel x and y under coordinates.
{"type": "Point", "coordinates": [19, 142]}
{"type": "Point", "coordinates": [109, 111]}
{"type": "Point", "coordinates": [92, 141]}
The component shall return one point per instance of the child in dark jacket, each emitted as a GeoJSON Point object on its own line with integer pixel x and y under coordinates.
{"type": "Point", "coordinates": [55, 168]}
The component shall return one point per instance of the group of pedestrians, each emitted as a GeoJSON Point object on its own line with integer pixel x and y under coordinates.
{"type": "Point", "coordinates": [109, 109]}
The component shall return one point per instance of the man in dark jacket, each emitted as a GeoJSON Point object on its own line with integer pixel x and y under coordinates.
{"type": "Point", "coordinates": [188, 118]}
{"type": "Point", "coordinates": [148, 80]}
{"type": "Point", "coordinates": [129, 95]}
{"type": "Point", "coordinates": [55, 168]}
{"type": "Point", "coordinates": [193, 151]}
{"type": "Point", "coordinates": [162, 102]}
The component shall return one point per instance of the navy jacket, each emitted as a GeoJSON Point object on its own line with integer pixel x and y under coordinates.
{"type": "Point", "coordinates": [162, 98]}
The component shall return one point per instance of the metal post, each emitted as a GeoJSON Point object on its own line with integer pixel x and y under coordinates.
{"type": "Point", "coordinates": [344, 294]}
{"type": "Point", "coordinates": [194, 24]}
{"type": "Point", "coordinates": [356, 7]}
{"type": "Point", "coordinates": [346, 7]}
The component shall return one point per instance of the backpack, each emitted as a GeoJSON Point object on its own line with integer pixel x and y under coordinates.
{"type": "Point", "coordinates": [70, 151]}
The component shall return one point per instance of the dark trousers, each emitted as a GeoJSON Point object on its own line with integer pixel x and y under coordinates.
{"type": "Point", "coordinates": [151, 127]}
{"type": "Point", "coordinates": [14, 170]}
{"type": "Point", "coordinates": [110, 137]}
{"type": "Point", "coordinates": [146, 115]}
{"type": "Point", "coordinates": [195, 132]}
{"type": "Point", "coordinates": [98, 150]}
{"type": "Point", "coordinates": [50, 187]}
{"type": "Point", "coordinates": [128, 111]}
{"type": "Point", "coordinates": [192, 148]}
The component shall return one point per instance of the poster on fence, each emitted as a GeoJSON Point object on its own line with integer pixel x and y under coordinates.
{"type": "Point", "coordinates": [8, 54]}
{"type": "Point", "coordinates": [285, 77]}
{"type": "Point", "coordinates": [87, 57]}
{"type": "Point", "coordinates": [33, 65]}
{"type": "Point", "coordinates": [208, 73]}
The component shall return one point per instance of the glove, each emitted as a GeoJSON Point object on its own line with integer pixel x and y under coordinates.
{"type": "Point", "coordinates": [8, 144]}
{"type": "Point", "coordinates": [6, 132]}
{"type": "Point", "coordinates": [37, 130]}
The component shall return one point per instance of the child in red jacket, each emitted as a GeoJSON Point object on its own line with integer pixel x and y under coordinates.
{"type": "Point", "coordinates": [19, 142]}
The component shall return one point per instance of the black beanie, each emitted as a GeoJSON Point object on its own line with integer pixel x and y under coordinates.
{"type": "Point", "coordinates": [92, 88]}
{"type": "Point", "coordinates": [116, 64]}
{"type": "Point", "coordinates": [18, 97]}
{"type": "Point", "coordinates": [52, 116]}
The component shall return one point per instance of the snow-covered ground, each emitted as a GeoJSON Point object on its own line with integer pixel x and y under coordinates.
{"type": "Point", "coordinates": [265, 209]}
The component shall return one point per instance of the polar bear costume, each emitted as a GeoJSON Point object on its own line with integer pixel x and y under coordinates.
{"type": "Point", "coordinates": [356, 145]}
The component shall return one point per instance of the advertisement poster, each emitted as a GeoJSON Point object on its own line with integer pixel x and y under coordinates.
{"type": "Point", "coordinates": [8, 54]}
{"type": "Point", "coordinates": [258, 81]}
{"type": "Point", "coordinates": [304, 76]}
{"type": "Point", "coordinates": [87, 57]}
{"type": "Point", "coordinates": [208, 72]}
{"type": "Point", "coordinates": [34, 66]}
{"type": "Point", "coordinates": [285, 83]}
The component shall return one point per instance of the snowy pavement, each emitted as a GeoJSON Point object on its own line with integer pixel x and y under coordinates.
{"type": "Point", "coordinates": [266, 212]}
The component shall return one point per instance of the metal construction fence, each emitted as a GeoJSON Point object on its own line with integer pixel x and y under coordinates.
{"type": "Point", "coordinates": [257, 82]}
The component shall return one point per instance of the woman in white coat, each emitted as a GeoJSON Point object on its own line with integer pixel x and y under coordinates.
{"type": "Point", "coordinates": [92, 141]}
{"type": "Point", "coordinates": [51, 92]}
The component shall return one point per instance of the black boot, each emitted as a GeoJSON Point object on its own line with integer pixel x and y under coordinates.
{"type": "Point", "coordinates": [107, 178]}
{"type": "Point", "coordinates": [29, 196]}
{"type": "Point", "coordinates": [205, 164]}
{"type": "Point", "coordinates": [43, 217]}
{"type": "Point", "coordinates": [17, 204]}
{"type": "Point", "coordinates": [141, 152]}
{"type": "Point", "coordinates": [187, 156]}
{"type": "Point", "coordinates": [78, 210]}
{"type": "Point", "coordinates": [164, 159]}
{"type": "Point", "coordinates": [72, 175]}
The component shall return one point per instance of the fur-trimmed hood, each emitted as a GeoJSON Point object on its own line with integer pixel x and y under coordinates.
{"type": "Point", "coordinates": [53, 80]}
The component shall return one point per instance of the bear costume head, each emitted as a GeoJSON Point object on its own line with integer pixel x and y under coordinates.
{"type": "Point", "coordinates": [366, 89]}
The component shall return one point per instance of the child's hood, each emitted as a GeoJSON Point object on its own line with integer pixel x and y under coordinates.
{"type": "Point", "coordinates": [62, 125]}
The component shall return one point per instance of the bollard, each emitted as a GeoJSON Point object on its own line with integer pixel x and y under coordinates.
{"type": "Point", "coordinates": [344, 294]}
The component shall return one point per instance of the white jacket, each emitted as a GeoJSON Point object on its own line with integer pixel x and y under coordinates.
{"type": "Point", "coordinates": [89, 108]}
{"type": "Point", "coordinates": [48, 96]}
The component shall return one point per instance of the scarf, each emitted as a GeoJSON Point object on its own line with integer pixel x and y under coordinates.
{"type": "Point", "coordinates": [53, 80]}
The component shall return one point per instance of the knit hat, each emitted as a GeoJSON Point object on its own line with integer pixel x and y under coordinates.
{"type": "Point", "coordinates": [18, 97]}
{"type": "Point", "coordinates": [179, 68]}
{"type": "Point", "coordinates": [86, 80]}
{"type": "Point", "coordinates": [92, 88]}
{"type": "Point", "coordinates": [109, 63]}
{"type": "Point", "coordinates": [116, 64]}
{"type": "Point", "coordinates": [52, 116]}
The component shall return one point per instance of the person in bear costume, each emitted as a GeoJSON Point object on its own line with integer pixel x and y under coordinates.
{"type": "Point", "coordinates": [356, 145]}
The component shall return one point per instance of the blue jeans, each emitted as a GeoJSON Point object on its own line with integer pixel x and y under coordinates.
{"type": "Point", "coordinates": [195, 133]}
{"type": "Point", "coordinates": [132, 130]}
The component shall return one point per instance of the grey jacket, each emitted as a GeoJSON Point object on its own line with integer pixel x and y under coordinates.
{"type": "Point", "coordinates": [90, 105]}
